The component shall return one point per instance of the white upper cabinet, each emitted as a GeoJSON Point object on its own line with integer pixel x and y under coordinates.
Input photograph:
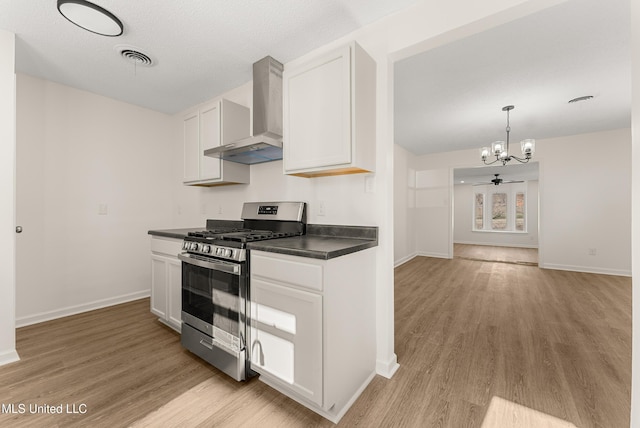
{"type": "Point", "coordinates": [329, 115]}
{"type": "Point", "coordinates": [208, 126]}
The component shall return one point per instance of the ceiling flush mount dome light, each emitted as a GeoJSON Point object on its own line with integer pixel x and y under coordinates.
{"type": "Point", "coordinates": [91, 17]}
{"type": "Point", "coordinates": [500, 149]}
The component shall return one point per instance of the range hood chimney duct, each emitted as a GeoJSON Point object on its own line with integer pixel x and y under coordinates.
{"type": "Point", "coordinates": [266, 143]}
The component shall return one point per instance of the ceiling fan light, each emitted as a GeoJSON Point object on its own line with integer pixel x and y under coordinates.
{"type": "Point", "coordinates": [91, 17]}
{"type": "Point", "coordinates": [504, 155]}
{"type": "Point", "coordinates": [528, 146]}
{"type": "Point", "coordinates": [484, 153]}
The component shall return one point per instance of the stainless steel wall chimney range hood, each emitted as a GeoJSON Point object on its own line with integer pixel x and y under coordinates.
{"type": "Point", "coordinates": [266, 143]}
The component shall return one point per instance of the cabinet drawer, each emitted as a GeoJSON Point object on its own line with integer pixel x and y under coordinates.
{"type": "Point", "coordinates": [169, 246]}
{"type": "Point", "coordinates": [287, 269]}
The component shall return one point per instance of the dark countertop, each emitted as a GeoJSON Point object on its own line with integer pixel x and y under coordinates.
{"type": "Point", "coordinates": [321, 241]}
{"type": "Point", "coordinates": [174, 233]}
{"type": "Point", "coordinates": [314, 246]}
{"type": "Point", "coordinates": [182, 233]}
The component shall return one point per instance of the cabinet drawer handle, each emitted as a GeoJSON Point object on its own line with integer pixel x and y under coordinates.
{"type": "Point", "coordinates": [205, 344]}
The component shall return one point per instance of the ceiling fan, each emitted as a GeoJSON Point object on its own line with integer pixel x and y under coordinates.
{"type": "Point", "coordinates": [497, 181]}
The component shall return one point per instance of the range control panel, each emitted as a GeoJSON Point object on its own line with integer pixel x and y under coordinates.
{"type": "Point", "coordinates": [268, 209]}
{"type": "Point", "coordinates": [235, 254]}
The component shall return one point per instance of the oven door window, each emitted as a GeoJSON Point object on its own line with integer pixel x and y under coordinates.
{"type": "Point", "coordinates": [212, 296]}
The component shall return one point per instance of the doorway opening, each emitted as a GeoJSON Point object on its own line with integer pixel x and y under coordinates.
{"type": "Point", "coordinates": [495, 213]}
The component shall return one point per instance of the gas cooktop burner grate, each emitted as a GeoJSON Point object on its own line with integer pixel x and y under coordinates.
{"type": "Point", "coordinates": [211, 233]}
{"type": "Point", "coordinates": [257, 235]}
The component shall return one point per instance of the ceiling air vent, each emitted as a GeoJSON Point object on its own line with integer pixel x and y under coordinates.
{"type": "Point", "coordinates": [584, 98]}
{"type": "Point", "coordinates": [134, 55]}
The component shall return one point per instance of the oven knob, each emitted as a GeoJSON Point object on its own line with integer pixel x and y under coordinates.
{"type": "Point", "coordinates": [206, 249]}
{"type": "Point", "coordinates": [185, 245]}
{"type": "Point", "coordinates": [194, 246]}
{"type": "Point", "coordinates": [219, 251]}
{"type": "Point", "coordinates": [228, 253]}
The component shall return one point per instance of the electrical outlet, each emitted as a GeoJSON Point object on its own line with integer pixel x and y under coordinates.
{"type": "Point", "coordinates": [369, 184]}
{"type": "Point", "coordinates": [321, 208]}
{"type": "Point", "coordinates": [592, 251]}
{"type": "Point", "coordinates": [103, 209]}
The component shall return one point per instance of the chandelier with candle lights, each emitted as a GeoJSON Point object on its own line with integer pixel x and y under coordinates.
{"type": "Point", "coordinates": [500, 149]}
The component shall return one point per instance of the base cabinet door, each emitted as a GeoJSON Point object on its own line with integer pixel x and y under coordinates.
{"type": "Point", "coordinates": [166, 281]}
{"type": "Point", "coordinates": [286, 337]}
{"type": "Point", "coordinates": [159, 285]}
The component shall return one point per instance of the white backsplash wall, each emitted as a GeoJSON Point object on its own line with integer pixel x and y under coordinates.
{"type": "Point", "coordinates": [344, 197]}
{"type": "Point", "coordinates": [91, 181]}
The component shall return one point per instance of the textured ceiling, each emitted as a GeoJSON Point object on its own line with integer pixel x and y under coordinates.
{"type": "Point", "coordinates": [451, 97]}
{"type": "Point", "coordinates": [202, 48]}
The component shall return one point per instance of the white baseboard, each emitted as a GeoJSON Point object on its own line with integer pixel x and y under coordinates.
{"type": "Point", "coordinates": [587, 269]}
{"type": "Point", "coordinates": [387, 368]}
{"type": "Point", "coordinates": [77, 309]}
{"type": "Point", "coordinates": [7, 357]}
{"type": "Point", "coordinates": [404, 260]}
{"type": "Point", "coordinates": [434, 255]}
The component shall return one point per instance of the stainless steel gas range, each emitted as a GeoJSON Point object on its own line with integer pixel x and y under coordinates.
{"type": "Point", "coordinates": [215, 283]}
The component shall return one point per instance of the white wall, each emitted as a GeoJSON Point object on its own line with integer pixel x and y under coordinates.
{"type": "Point", "coordinates": [75, 152]}
{"type": "Point", "coordinates": [584, 202]}
{"type": "Point", "coordinates": [7, 198]}
{"type": "Point", "coordinates": [463, 205]}
{"type": "Point", "coordinates": [404, 195]}
{"type": "Point", "coordinates": [433, 215]}
{"type": "Point", "coordinates": [635, 128]}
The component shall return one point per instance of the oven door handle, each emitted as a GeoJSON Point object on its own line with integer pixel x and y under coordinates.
{"type": "Point", "coordinates": [222, 267]}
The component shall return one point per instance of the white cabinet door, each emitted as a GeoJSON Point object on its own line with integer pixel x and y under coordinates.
{"type": "Point", "coordinates": [286, 337]}
{"type": "Point", "coordinates": [191, 137]}
{"type": "Point", "coordinates": [166, 281]}
{"type": "Point", "coordinates": [318, 113]}
{"type": "Point", "coordinates": [209, 138]}
{"type": "Point", "coordinates": [174, 285]}
{"type": "Point", "coordinates": [211, 125]}
{"type": "Point", "coordinates": [159, 285]}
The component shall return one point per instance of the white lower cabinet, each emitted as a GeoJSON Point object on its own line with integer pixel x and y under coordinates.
{"type": "Point", "coordinates": [312, 334]}
{"type": "Point", "coordinates": [166, 281]}
{"type": "Point", "coordinates": [287, 337]}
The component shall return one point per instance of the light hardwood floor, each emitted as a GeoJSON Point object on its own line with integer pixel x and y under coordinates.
{"type": "Point", "coordinates": [493, 253]}
{"type": "Point", "coordinates": [476, 342]}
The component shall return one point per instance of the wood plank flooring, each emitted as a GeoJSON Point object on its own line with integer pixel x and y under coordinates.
{"type": "Point", "coordinates": [480, 345]}
{"type": "Point", "coordinates": [495, 253]}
